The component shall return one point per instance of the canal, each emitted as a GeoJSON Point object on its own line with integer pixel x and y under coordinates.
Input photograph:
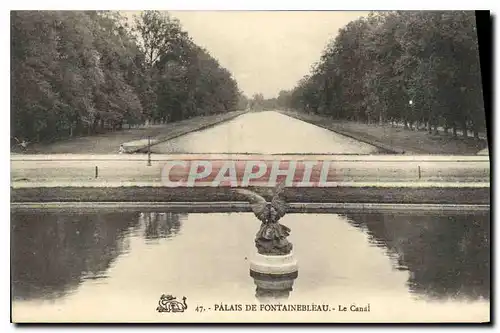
{"type": "Point", "coordinates": [267, 132]}
{"type": "Point", "coordinates": [103, 265]}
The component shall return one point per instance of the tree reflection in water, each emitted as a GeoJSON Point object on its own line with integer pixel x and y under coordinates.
{"type": "Point", "coordinates": [446, 255]}
{"type": "Point", "coordinates": [52, 253]}
{"type": "Point", "coordinates": [160, 225]}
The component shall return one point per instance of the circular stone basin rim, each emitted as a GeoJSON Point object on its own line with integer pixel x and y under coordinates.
{"type": "Point", "coordinates": [272, 264]}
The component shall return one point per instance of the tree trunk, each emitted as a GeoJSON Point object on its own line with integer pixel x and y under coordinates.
{"type": "Point", "coordinates": [464, 128]}
{"type": "Point", "coordinates": [78, 127]}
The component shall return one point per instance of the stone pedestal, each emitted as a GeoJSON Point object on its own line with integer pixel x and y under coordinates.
{"type": "Point", "coordinates": [275, 265]}
{"type": "Point", "coordinates": [273, 276]}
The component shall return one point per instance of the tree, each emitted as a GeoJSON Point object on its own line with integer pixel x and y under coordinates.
{"type": "Point", "coordinates": [378, 63]}
{"type": "Point", "coordinates": [188, 81]}
{"type": "Point", "coordinates": [81, 72]}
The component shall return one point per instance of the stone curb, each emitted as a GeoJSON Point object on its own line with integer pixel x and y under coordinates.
{"type": "Point", "coordinates": [156, 141]}
{"type": "Point", "coordinates": [390, 149]}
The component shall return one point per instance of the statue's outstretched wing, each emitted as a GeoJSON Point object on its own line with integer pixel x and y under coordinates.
{"type": "Point", "coordinates": [257, 202]}
{"type": "Point", "coordinates": [279, 205]}
{"type": "Point", "coordinates": [278, 201]}
{"type": "Point", "coordinates": [279, 188]}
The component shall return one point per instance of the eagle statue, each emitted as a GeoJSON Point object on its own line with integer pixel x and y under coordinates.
{"type": "Point", "coordinates": [271, 237]}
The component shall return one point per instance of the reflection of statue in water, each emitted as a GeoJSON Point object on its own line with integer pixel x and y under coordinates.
{"type": "Point", "coordinates": [271, 294]}
{"type": "Point", "coordinates": [271, 238]}
{"type": "Point", "coordinates": [271, 287]}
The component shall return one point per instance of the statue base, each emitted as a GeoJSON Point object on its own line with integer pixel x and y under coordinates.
{"type": "Point", "coordinates": [274, 264]}
{"type": "Point", "coordinates": [273, 276]}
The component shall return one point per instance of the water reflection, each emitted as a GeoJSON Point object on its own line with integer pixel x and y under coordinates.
{"type": "Point", "coordinates": [256, 133]}
{"type": "Point", "coordinates": [270, 288]}
{"type": "Point", "coordinates": [205, 255]}
{"type": "Point", "coordinates": [448, 256]}
{"type": "Point", "coordinates": [53, 253]}
{"type": "Point", "coordinates": [160, 225]}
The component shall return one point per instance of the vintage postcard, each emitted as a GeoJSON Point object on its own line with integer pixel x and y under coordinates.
{"type": "Point", "coordinates": [249, 167]}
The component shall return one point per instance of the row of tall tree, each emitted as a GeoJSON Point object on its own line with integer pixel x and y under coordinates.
{"type": "Point", "coordinates": [414, 68]}
{"type": "Point", "coordinates": [82, 72]}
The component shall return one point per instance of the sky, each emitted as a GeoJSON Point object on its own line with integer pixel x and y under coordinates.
{"type": "Point", "coordinates": [266, 51]}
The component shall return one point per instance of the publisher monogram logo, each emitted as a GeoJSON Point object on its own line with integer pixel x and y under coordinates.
{"type": "Point", "coordinates": [168, 303]}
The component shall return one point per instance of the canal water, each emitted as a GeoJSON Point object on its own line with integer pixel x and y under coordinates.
{"type": "Point", "coordinates": [267, 132]}
{"type": "Point", "coordinates": [114, 266]}
{"type": "Point", "coordinates": [104, 265]}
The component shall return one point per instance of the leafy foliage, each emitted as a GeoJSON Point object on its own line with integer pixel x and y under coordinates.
{"type": "Point", "coordinates": [83, 72]}
{"type": "Point", "coordinates": [378, 64]}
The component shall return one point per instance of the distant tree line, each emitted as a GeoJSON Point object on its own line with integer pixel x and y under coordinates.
{"type": "Point", "coordinates": [259, 103]}
{"type": "Point", "coordinates": [412, 68]}
{"type": "Point", "coordinates": [83, 72]}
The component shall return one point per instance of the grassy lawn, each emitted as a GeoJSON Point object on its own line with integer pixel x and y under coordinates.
{"type": "Point", "coordinates": [397, 139]}
{"type": "Point", "coordinates": [109, 143]}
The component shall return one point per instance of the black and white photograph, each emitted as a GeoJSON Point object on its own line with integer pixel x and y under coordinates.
{"type": "Point", "coordinates": [250, 166]}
